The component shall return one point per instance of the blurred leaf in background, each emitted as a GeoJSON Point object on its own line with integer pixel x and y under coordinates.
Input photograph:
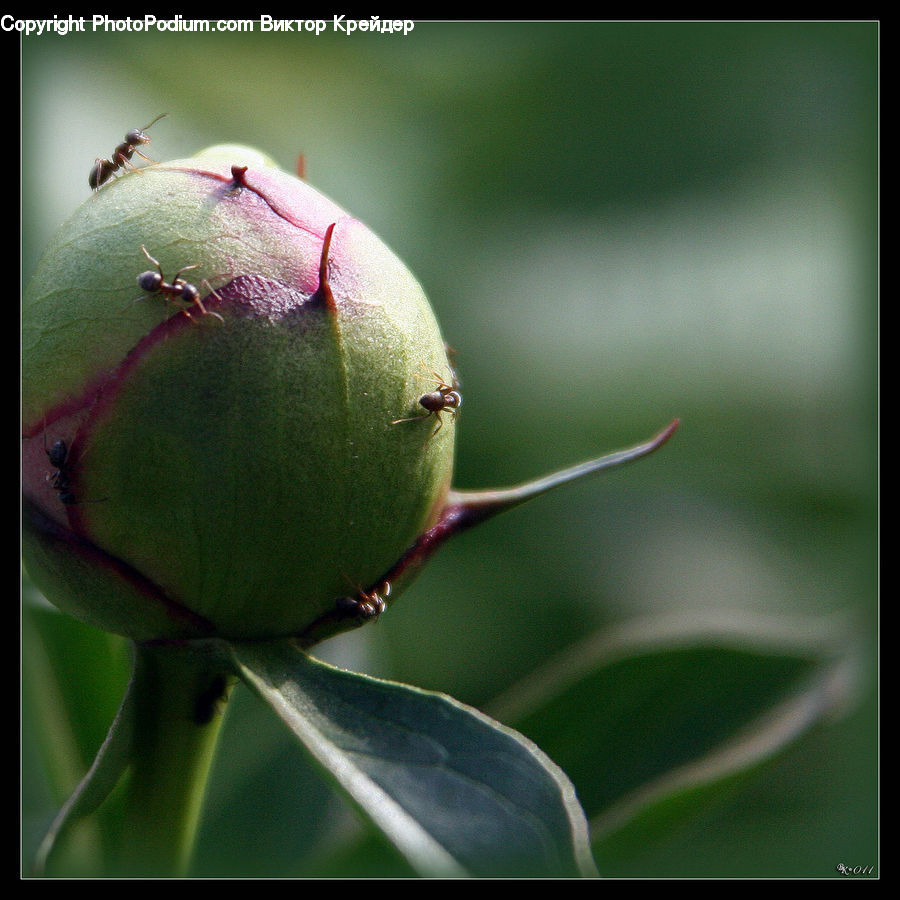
{"type": "Point", "coordinates": [616, 223]}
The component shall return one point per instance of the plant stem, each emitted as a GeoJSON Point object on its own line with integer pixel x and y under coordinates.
{"type": "Point", "coordinates": [177, 688]}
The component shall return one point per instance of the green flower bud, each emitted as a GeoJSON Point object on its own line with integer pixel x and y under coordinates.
{"type": "Point", "coordinates": [235, 443]}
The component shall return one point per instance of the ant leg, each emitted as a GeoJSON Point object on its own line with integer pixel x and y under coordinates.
{"type": "Point", "coordinates": [187, 313]}
{"type": "Point", "coordinates": [207, 312]}
{"type": "Point", "coordinates": [412, 419]}
{"type": "Point", "coordinates": [125, 162]}
{"type": "Point", "coordinates": [150, 160]}
{"type": "Point", "coordinates": [434, 377]}
{"type": "Point", "coordinates": [184, 269]}
{"type": "Point", "coordinates": [154, 261]}
{"type": "Point", "coordinates": [211, 290]}
{"type": "Point", "coordinates": [204, 310]}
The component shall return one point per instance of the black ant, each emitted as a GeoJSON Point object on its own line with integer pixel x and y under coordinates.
{"type": "Point", "coordinates": [104, 168]}
{"type": "Point", "coordinates": [60, 458]}
{"type": "Point", "coordinates": [445, 399]}
{"type": "Point", "coordinates": [178, 288]}
{"type": "Point", "coordinates": [58, 455]}
{"type": "Point", "coordinates": [365, 605]}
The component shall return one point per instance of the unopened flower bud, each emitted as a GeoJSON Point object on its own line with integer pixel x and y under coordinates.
{"type": "Point", "coordinates": [222, 427]}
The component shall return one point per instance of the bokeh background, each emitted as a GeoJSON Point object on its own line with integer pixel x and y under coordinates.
{"type": "Point", "coordinates": [617, 224]}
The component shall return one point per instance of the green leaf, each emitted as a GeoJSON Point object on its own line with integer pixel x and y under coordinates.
{"type": "Point", "coordinates": [73, 678]}
{"type": "Point", "coordinates": [654, 721]}
{"type": "Point", "coordinates": [299, 823]}
{"type": "Point", "coordinates": [65, 661]}
{"type": "Point", "coordinates": [455, 792]}
{"type": "Point", "coordinates": [103, 775]}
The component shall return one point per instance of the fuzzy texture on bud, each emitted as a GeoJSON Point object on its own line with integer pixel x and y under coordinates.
{"type": "Point", "coordinates": [228, 462]}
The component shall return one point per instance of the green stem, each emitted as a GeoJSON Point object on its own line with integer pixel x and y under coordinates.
{"type": "Point", "coordinates": [176, 690]}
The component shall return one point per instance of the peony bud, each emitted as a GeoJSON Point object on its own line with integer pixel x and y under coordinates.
{"type": "Point", "coordinates": [222, 432]}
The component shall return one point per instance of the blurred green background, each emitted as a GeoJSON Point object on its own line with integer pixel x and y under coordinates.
{"type": "Point", "coordinates": [617, 224]}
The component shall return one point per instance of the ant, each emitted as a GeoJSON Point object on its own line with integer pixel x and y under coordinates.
{"type": "Point", "coordinates": [445, 399]}
{"type": "Point", "coordinates": [104, 168]}
{"type": "Point", "coordinates": [178, 288]}
{"type": "Point", "coordinates": [58, 455]}
{"type": "Point", "coordinates": [365, 605]}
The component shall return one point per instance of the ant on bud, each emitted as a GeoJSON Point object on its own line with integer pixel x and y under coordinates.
{"type": "Point", "coordinates": [445, 399]}
{"type": "Point", "coordinates": [177, 289]}
{"type": "Point", "coordinates": [365, 605]}
{"type": "Point", "coordinates": [104, 169]}
{"type": "Point", "coordinates": [58, 454]}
